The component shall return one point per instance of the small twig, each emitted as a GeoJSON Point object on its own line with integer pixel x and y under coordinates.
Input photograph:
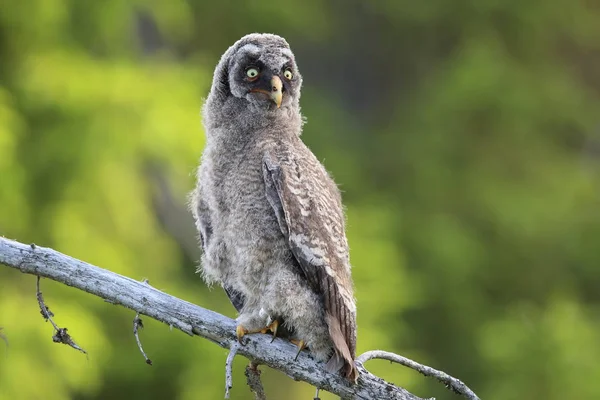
{"type": "Point", "coordinates": [456, 385]}
{"type": "Point", "coordinates": [229, 367]}
{"type": "Point", "coordinates": [44, 309]}
{"type": "Point", "coordinates": [253, 379]}
{"type": "Point", "coordinates": [60, 335]}
{"type": "Point", "coordinates": [317, 395]}
{"type": "Point", "coordinates": [137, 326]}
{"type": "Point", "coordinates": [3, 337]}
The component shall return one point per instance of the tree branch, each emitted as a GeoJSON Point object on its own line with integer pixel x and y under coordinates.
{"type": "Point", "coordinates": [456, 385]}
{"type": "Point", "coordinates": [60, 334]}
{"type": "Point", "coordinates": [253, 379]}
{"type": "Point", "coordinates": [191, 319]}
{"type": "Point", "coordinates": [137, 325]}
{"type": "Point", "coordinates": [229, 367]}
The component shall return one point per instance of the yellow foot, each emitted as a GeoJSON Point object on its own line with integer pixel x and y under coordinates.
{"type": "Point", "coordinates": [240, 331]}
{"type": "Point", "coordinates": [273, 328]}
{"type": "Point", "coordinates": [301, 346]}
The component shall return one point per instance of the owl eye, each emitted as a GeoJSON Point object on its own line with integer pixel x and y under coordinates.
{"type": "Point", "coordinates": [288, 74]}
{"type": "Point", "coordinates": [252, 73]}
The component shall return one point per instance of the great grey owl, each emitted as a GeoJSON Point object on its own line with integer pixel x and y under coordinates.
{"type": "Point", "coordinates": [270, 218]}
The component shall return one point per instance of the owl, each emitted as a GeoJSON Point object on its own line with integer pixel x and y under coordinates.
{"type": "Point", "coordinates": [270, 217]}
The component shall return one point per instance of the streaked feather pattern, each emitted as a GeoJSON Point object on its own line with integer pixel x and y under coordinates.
{"type": "Point", "coordinates": [309, 211]}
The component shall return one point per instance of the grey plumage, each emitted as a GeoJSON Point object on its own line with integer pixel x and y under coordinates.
{"type": "Point", "coordinates": [270, 218]}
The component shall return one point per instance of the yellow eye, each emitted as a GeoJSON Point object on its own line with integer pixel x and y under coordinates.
{"type": "Point", "coordinates": [288, 74]}
{"type": "Point", "coordinates": [252, 73]}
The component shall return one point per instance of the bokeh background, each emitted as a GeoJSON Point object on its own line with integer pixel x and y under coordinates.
{"type": "Point", "coordinates": [465, 136]}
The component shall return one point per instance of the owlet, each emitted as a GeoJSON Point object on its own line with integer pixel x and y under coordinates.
{"type": "Point", "coordinates": [270, 217]}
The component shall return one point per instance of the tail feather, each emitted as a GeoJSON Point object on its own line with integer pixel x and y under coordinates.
{"type": "Point", "coordinates": [335, 363]}
{"type": "Point", "coordinates": [341, 358]}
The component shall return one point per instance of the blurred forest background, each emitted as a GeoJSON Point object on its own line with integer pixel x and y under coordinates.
{"type": "Point", "coordinates": [465, 136]}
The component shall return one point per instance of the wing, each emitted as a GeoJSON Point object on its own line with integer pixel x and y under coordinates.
{"type": "Point", "coordinates": [236, 298]}
{"type": "Point", "coordinates": [309, 211]}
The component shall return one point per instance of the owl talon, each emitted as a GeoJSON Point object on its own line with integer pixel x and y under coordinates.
{"type": "Point", "coordinates": [240, 331]}
{"type": "Point", "coordinates": [273, 328]}
{"type": "Point", "coordinates": [301, 346]}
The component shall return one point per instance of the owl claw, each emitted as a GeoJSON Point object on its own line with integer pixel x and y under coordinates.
{"type": "Point", "coordinates": [240, 331]}
{"type": "Point", "coordinates": [273, 328]}
{"type": "Point", "coordinates": [301, 346]}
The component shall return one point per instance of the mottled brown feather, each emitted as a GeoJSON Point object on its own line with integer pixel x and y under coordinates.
{"type": "Point", "coordinates": [309, 211]}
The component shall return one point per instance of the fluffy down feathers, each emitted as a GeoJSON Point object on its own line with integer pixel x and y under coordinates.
{"type": "Point", "coordinates": [270, 218]}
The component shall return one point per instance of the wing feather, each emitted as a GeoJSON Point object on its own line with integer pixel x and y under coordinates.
{"type": "Point", "coordinates": [309, 212]}
{"type": "Point", "coordinates": [236, 298]}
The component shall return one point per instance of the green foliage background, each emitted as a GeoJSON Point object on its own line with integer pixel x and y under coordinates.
{"type": "Point", "coordinates": [464, 134]}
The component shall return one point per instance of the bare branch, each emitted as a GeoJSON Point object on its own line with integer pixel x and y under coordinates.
{"type": "Point", "coordinates": [44, 309]}
{"type": "Point", "coordinates": [456, 385]}
{"type": "Point", "coordinates": [137, 326]}
{"type": "Point", "coordinates": [317, 395]}
{"type": "Point", "coordinates": [253, 379]}
{"type": "Point", "coordinates": [229, 367]}
{"type": "Point", "coordinates": [192, 320]}
{"type": "Point", "coordinates": [60, 334]}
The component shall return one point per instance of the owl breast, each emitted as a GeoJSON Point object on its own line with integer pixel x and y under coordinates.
{"type": "Point", "coordinates": [246, 234]}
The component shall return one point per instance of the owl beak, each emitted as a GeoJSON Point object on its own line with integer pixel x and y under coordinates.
{"type": "Point", "coordinates": [276, 90]}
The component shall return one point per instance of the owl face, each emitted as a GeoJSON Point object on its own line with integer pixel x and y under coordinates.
{"type": "Point", "coordinates": [264, 73]}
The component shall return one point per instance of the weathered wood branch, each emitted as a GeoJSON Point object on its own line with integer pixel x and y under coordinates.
{"type": "Point", "coordinates": [253, 379]}
{"type": "Point", "coordinates": [456, 385]}
{"type": "Point", "coordinates": [191, 319]}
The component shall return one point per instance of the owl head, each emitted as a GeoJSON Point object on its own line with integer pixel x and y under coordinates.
{"type": "Point", "coordinates": [258, 72]}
